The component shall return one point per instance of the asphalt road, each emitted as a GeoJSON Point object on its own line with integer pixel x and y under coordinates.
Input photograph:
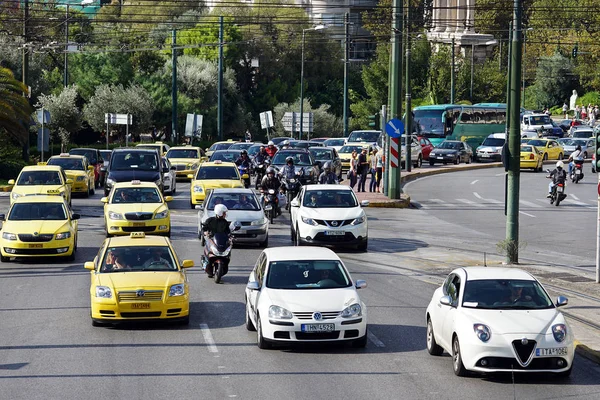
{"type": "Point", "coordinates": [49, 350]}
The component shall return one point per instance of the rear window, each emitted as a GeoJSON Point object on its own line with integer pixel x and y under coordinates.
{"type": "Point", "coordinates": [92, 155]}
{"type": "Point", "coordinates": [363, 136]}
{"type": "Point", "coordinates": [214, 172]}
{"type": "Point", "coordinates": [136, 160]}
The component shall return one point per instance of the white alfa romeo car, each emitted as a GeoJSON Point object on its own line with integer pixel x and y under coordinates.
{"type": "Point", "coordinates": [304, 295]}
{"type": "Point", "coordinates": [499, 320]}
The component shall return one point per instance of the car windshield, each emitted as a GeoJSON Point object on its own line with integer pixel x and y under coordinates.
{"type": "Point", "coordinates": [350, 149]}
{"type": "Point", "coordinates": [493, 142]}
{"type": "Point", "coordinates": [143, 161]}
{"type": "Point", "coordinates": [429, 121]}
{"type": "Point", "coordinates": [449, 145]}
{"type": "Point", "coordinates": [329, 199]}
{"type": "Point", "coordinates": [541, 120]}
{"type": "Point", "coordinates": [364, 136]}
{"type": "Point", "coordinates": [136, 195]}
{"type": "Point", "coordinates": [72, 164]}
{"type": "Point", "coordinates": [572, 142]}
{"type": "Point", "coordinates": [301, 145]}
{"type": "Point", "coordinates": [138, 259]}
{"type": "Point", "coordinates": [526, 149]}
{"type": "Point", "coordinates": [220, 146]}
{"type": "Point", "coordinates": [321, 154]}
{"type": "Point", "coordinates": [225, 155]}
{"type": "Point", "coordinates": [39, 178]}
{"type": "Point", "coordinates": [234, 201]}
{"type": "Point", "coordinates": [217, 172]}
{"type": "Point", "coordinates": [414, 141]}
{"type": "Point", "coordinates": [37, 211]}
{"type": "Point", "coordinates": [334, 142]}
{"type": "Point", "coordinates": [91, 155]}
{"type": "Point", "coordinates": [505, 294]}
{"type": "Point", "coordinates": [241, 146]}
{"type": "Point", "coordinates": [182, 153]}
{"type": "Point", "coordinates": [254, 149]}
{"type": "Point", "coordinates": [300, 159]}
{"type": "Point", "coordinates": [537, 143]}
{"type": "Point", "coordinates": [307, 274]}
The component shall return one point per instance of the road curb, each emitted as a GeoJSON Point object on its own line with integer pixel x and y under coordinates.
{"type": "Point", "coordinates": [420, 174]}
{"type": "Point", "coordinates": [587, 352]}
{"type": "Point", "coordinates": [6, 188]}
{"type": "Point", "coordinates": [404, 202]}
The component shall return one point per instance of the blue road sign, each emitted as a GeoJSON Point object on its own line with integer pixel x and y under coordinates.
{"type": "Point", "coordinates": [394, 128]}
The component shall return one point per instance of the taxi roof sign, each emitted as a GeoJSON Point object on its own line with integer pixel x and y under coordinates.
{"type": "Point", "coordinates": [42, 163]}
{"type": "Point", "coordinates": [136, 182]}
{"type": "Point", "coordinates": [217, 162]}
{"type": "Point", "coordinates": [137, 235]}
{"type": "Point", "coordinates": [65, 155]}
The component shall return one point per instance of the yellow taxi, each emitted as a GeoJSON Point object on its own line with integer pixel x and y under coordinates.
{"type": "Point", "coordinates": [550, 148]}
{"type": "Point", "coordinates": [159, 146]}
{"type": "Point", "coordinates": [138, 278]}
{"type": "Point", "coordinates": [223, 145]}
{"type": "Point", "coordinates": [185, 159]}
{"type": "Point", "coordinates": [79, 170]}
{"type": "Point", "coordinates": [213, 175]}
{"type": "Point", "coordinates": [531, 157]}
{"type": "Point", "coordinates": [136, 207]}
{"type": "Point", "coordinates": [345, 153]}
{"type": "Point", "coordinates": [38, 226]}
{"type": "Point", "coordinates": [41, 179]}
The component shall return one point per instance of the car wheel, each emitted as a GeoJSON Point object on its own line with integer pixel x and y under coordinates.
{"type": "Point", "coordinates": [363, 246]}
{"type": "Point", "coordinates": [432, 163]}
{"type": "Point", "coordinates": [432, 347]}
{"type": "Point", "coordinates": [560, 156]}
{"type": "Point", "coordinates": [185, 321]}
{"type": "Point", "coordinates": [469, 159]}
{"type": "Point", "coordinates": [174, 186]}
{"type": "Point", "coordinates": [265, 243]}
{"type": "Point", "coordinates": [565, 374]}
{"type": "Point", "coordinates": [585, 155]}
{"type": "Point", "coordinates": [419, 162]}
{"type": "Point", "coordinates": [260, 340]}
{"type": "Point", "coordinates": [96, 323]}
{"type": "Point", "coordinates": [297, 236]}
{"type": "Point", "coordinates": [192, 206]}
{"type": "Point", "coordinates": [88, 192]}
{"type": "Point", "coordinates": [360, 343]}
{"type": "Point", "coordinates": [457, 161]}
{"type": "Point", "coordinates": [545, 156]}
{"type": "Point", "coordinates": [292, 233]}
{"type": "Point", "coordinates": [4, 259]}
{"type": "Point", "coordinates": [249, 325]}
{"type": "Point", "coordinates": [457, 364]}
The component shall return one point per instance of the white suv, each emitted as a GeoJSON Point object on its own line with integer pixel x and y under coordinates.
{"type": "Point", "coordinates": [329, 215]}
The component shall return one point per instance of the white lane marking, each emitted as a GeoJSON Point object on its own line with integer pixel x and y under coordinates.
{"type": "Point", "coordinates": [502, 174]}
{"type": "Point", "coordinates": [407, 184]}
{"type": "Point", "coordinates": [494, 201]}
{"type": "Point", "coordinates": [575, 197]}
{"type": "Point", "coordinates": [375, 340]}
{"type": "Point", "coordinates": [208, 338]}
{"type": "Point", "coordinates": [441, 202]}
{"type": "Point", "coordinates": [475, 181]}
{"type": "Point", "coordinates": [578, 203]}
{"type": "Point", "coordinates": [529, 204]}
{"type": "Point", "coordinates": [524, 213]}
{"type": "Point", "coordinates": [471, 203]}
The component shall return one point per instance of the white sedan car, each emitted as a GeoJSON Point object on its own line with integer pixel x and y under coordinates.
{"type": "Point", "coordinates": [243, 207]}
{"type": "Point", "coordinates": [169, 176]}
{"type": "Point", "coordinates": [304, 295]}
{"type": "Point", "coordinates": [329, 215]}
{"type": "Point", "coordinates": [499, 320]}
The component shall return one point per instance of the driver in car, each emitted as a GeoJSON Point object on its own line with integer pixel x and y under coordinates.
{"type": "Point", "coordinates": [156, 259]}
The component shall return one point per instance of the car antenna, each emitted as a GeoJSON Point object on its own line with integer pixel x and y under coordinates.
{"type": "Point", "coordinates": [484, 259]}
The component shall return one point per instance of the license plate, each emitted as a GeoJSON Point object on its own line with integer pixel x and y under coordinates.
{"type": "Point", "coordinates": [36, 246]}
{"type": "Point", "coordinates": [267, 208]}
{"type": "Point", "coordinates": [440, 158]}
{"type": "Point", "coordinates": [318, 327]}
{"type": "Point", "coordinates": [577, 172]}
{"type": "Point", "coordinates": [558, 351]}
{"type": "Point", "coordinates": [137, 224]}
{"type": "Point", "coordinates": [485, 155]}
{"type": "Point", "coordinates": [561, 189]}
{"type": "Point", "coordinates": [53, 191]}
{"type": "Point", "coordinates": [335, 233]}
{"type": "Point", "coordinates": [140, 305]}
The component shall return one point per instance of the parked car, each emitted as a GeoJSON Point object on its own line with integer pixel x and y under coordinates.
{"type": "Point", "coordinates": [426, 147]}
{"type": "Point", "coordinates": [491, 148]}
{"type": "Point", "coordinates": [169, 176]}
{"type": "Point", "coordinates": [325, 154]}
{"type": "Point", "coordinates": [551, 148]}
{"type": "Point", "coordinates": [453, 151]}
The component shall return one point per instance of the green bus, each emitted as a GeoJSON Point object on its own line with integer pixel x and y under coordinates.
{"type": "Point", "coordinates": [469, 123]}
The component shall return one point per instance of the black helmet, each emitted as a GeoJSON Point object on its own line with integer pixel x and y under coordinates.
{"type": "Point", "coordinates": [578, 147]}
{"type": "Point", "coordinates": [244, 153]}
{"type": "Point", "coordinates": [327, 166]}
{"type": "Point", "coordinates": [289, 159]}
{"type": "Point", "coordinates": [270, 170]}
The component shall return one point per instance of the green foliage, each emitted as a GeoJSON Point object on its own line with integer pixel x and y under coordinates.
{"type": "Point", "coordinates": [592, 98]}
{"type": "Point", "coordinates": [92, 70]}
{"type": "Point", "coordinates": [325, 123]}
{"type": "Point", "coordinates": [554, 80]}
{"type": "Point", "coordinates": [65, 116]}
{"type": "Point", "coordinates": [14, 108]}
{"type": "Point", "coordinates": [10, 154]}
{"type": "Point", "coordinates": [206, 37]}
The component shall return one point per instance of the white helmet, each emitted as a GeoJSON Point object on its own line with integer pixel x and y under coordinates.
{"type": "Point", "coordinates": [560, 164]}
{"type": "Point", "coordinates": [270, 143]}
{"type": "Point", "coordinates": [220, 210]}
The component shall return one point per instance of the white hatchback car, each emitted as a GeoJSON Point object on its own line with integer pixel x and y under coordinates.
{"type": "Point", "coordinates": [329, 215]}
{"type": "Point", "coordinates": [169, 176]}
{"type": "Point", "coordinates": [499, 320]}
{"type": "Point", "coordinates": [304, 295]}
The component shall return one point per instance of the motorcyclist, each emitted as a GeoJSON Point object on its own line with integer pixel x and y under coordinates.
{"type": "Point", "coordinates": [270, 181]}
{"type": "Point", "coordinates": [271, 149]}
{"type": "Point", "coordinates": [288, 171]}
{"type": "Point", "coordinates": [577, 155]}
{"type": "Point", "coordinates": [558, 175]}
{"type": "Point", "coordinates": [328, 176]}
{"type": "Point", "coordinates": [216, 224]}
{"type": "Point", "coordinates": [262, 156]}
{"type": "Point", "coordinates": [243, 162]}
{"type": "Point", "coordinates": [285, 144]}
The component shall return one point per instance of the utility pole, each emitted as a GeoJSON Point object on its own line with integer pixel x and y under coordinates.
{"type": "Point", "coordinates": [395, 90]}
{"type": "Point", "coordinates": [346, 56]}
{"type": "Point", "coordinates": [25, 72]}
{"type": "Point", "coordinates": [173, 85]}
{"type": "Point", "coordinates": [220, 82]}
{"type": "Point", "coordinates": [512, 209]}
{"type": "Point", "coordinates": [408, 90]}
{"type": "Point", "coordinates": [472, 71]}
{"type": "Point", "coordinates": [452, 74]}
{"type": "Point", "coordinates": [66, 69]}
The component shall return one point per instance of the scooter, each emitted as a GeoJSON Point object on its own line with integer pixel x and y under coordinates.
{"type": "Point", "coordinates": [270, 204]}
{"type": "Point", "coordinates": [558, 192]}
{"type": "Point", "coordinates": [292, 187]}
{"type": "Point", "coordinates": [259, 171]}
{"type": "Point", "coordinates": [217, 254]}
{"type": "Point", "coordinates": [245, 174]}
{"type": "Point", "coordinates": [577, 172]}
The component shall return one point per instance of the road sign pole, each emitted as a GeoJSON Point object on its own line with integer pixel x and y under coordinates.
{"type": "Point", "coordinates": [395, 90]}
{"type": "Point", "coordinates": [386, 149]}
{"type": "Point", "coordinates": [598, 229]}
{"type": "Point", "coordinates": [43, 134]}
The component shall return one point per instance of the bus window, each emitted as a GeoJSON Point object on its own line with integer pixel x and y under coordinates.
{"type": "Point", "coordinates": [455, 115]}
{"type": "Point", "coordinates": [467, 116]}
{"type": "Point", "coordinates": [501, 116]}
{"type": "Point", "coordinates": [490, 116]}
{"type": "Point", "coordinates": [478, 117]}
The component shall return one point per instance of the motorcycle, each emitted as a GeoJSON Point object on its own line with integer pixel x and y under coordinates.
{"type": "Point", "coordinates": [217, 254]}
{"type": "Point", "coordinates": [270, 204]}
{"type": "Point", "coordinates": [260, 170]}
{"type": "Point", "coordinates": [245, 174]}
{"type": "Point", "coordinates": [577, 172]}
{"type": "Point", "coordinates": [292, 187]}
{"type": "Point", "coordinates": [558, 192]}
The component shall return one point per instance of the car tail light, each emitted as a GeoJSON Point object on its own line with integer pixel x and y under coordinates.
{"type": "Point", "coordinates": [531, 157]}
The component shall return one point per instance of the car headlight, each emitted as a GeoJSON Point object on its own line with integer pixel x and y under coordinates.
{"type": "Point", "coordinates": [162, 215]}
{"type": "Point", "coordinates": [432, 154]}
{"type": "Point", "coordinates": [63, 235]}
{"type": "Point", "coordinates": [80, 178]}
{"type": "Point", "coordinates": [353, 310]}
{"type": "Point", "coordinates": [560, 332]}
{"type": "Point", "coordinates": [277, 312]}
{"type": "Point", "coordinates": [177, 290]}
{"type": "Point", "coordinates": [15, 195]}
{"type": "Point", "coordinates": [9, 236]}
{"type": "Point", "coordinates": [158, 182]}
{"type": "Point", "coordinates": [198, 189]}
{"type": "Point", "coordinates": [104, 292]}
{"type": "Point", "coordinates": [110, 181]}
{"type": "Point", "coordinates": [261, 221]}
{"type": "Point", "coordinates": [114, 215]}
{"type": "Point", "coordinates": [358, 221]}
{"type": "Point", "coordinates": [309, 221]}
{"type": "Point", "coordinates": [483, 332]}
{"type": "Point", "coordinates": [195, 166]}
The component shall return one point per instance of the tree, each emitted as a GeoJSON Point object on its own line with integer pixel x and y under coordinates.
{"type": "Point", "coordinates": [325, 124]}
{"type": "Point", "coordinates": [554, 80]}
{"type": "Point", "coordinates": [65, 116]}
{"type": "Point", "coordinates": [15, 110]}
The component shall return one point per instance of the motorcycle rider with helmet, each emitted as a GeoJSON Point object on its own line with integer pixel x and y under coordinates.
{"type": "Point", "coordinates": [216, 224]}
{"type": "Point", "coordinates": [271, 149]}
{"type": "Point", "coordinates": [577, 155]}
{"type": "Point", "coordinates": [327, 176]}
{"type": "Point", "coordinates": [558, 175]}
{"type": "Point", "coordinates": [285, 144]}
{"type": "Point", "coordinates": [261, 156]}
{"type": "Point", "coordinates": [270, 181]}
{"type": "Point", "coordinates": [243, 162]}
{"type": "Point", "coordinates": [288, 171]}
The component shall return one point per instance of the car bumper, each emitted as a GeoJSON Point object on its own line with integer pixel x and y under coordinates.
{"type": "Point", "coordinates": [529, 164]}
{"type": "Point", "coordinates": [489, 157]}
{"type": "Point", "coordinates": [498, 355]}
{"type": "Point", "coordinates": [251, 235]}
{"type": "Point", "coordinates": [197, 198]}
{"type": "Point", "coordinates": [53, 248]}
{"type": "Point", "coordinates": [437, 158]}
{"type": "Point", "coordinates": [183, 174]}
{"type": "Point", "coordinates": [125, 227]}
{"type": "Point", "coordinates": [79, 188]}
{"type": "Point", "coordinates": [292, 330]}
{"type": "Point", "coordinates": [320, 235]}
{"type": "Point", "coordinates": [108, 310]}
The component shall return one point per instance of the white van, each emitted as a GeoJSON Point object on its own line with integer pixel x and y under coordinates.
{"type": "Point", "coordinates": [533, 122]}
{"type": "Point", "coordinates": [491, 148]}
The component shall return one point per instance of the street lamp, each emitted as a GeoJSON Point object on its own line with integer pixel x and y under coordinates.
{"type": "Point", "coordinates": [314, 28]}
{"type": "Point", "coordinates": [524, 60]}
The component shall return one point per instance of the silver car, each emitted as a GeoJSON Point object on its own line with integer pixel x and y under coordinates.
{"type": "Point", "coordinates": [169, 176]}
{"type": "Point", "coordinates": [588, 146]}
{"type": "Point", "coordinates": [242, 206]}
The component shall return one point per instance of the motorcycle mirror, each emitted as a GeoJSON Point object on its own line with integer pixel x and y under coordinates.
{"type": "Point", "coordinates": [235, 226]}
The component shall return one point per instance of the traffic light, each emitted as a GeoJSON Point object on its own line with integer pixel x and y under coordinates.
{"type": "Point", "coordinates": [374, 121]}
{"type": "Point", "coordinates": [575, 50]}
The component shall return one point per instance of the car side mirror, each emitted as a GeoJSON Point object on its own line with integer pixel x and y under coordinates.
{"type": "Point", "coordinates": [104, 200]}
{"type": "Point", "coordinates": [365, 203]}
{"type": "Point", "coordinates": [75, 216]}
{"type": "Point", "coordinates": [89, 265]}
{"type": "Point", "coordinates": [90, 168]}
{"type": "Point", "coordinates": [361, 284]}
{"type": "Point", "coordinates": [168, 198]}
{"type": "Point", "coordinates": [253, 285]}
{"type": "Point", "coordinates": [173, 168]}
{"type": "Point", "coordinates": [190, 176]}
{"type": "Point", "coordinates": [295, 203]}
{"type": "Point", "coordinates": [446, 300]}
{"type": "Point", "coordinates": [561, 301]}
{"type": "Point", "coordinates": [69, 181]}
{"type": "Point", "coordinates": [198, 207]}
{"type": "Point", "coordinates": [11, 182]}
{"type": "Point", "coordinates": [187, 264]}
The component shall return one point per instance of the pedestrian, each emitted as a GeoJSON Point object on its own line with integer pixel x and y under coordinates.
{"type": "Point", "coordinates": [353, 169]}
{"type": "Point", "coordinates": [577, 112]}
{"type": "Point", "coordinates": [373, 171]}
{"type": "Point", "coordinates": [363, 169]}
{"type": "Point", "coordinates": [379, 169]}
{"type": "Point", "coordinates": [565, 110]}
{"type": "Point", "coordinates": [583, 112]}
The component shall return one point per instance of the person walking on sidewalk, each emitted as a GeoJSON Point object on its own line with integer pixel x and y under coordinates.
{"type": "Point", "coordinates": [373, 171]}
{"type": "Point", "coordinates": [378, 169]}
{"type": "Point", "coordinates": [353, 168]}
{"type": "Point", "coordinates": [363, 169]}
